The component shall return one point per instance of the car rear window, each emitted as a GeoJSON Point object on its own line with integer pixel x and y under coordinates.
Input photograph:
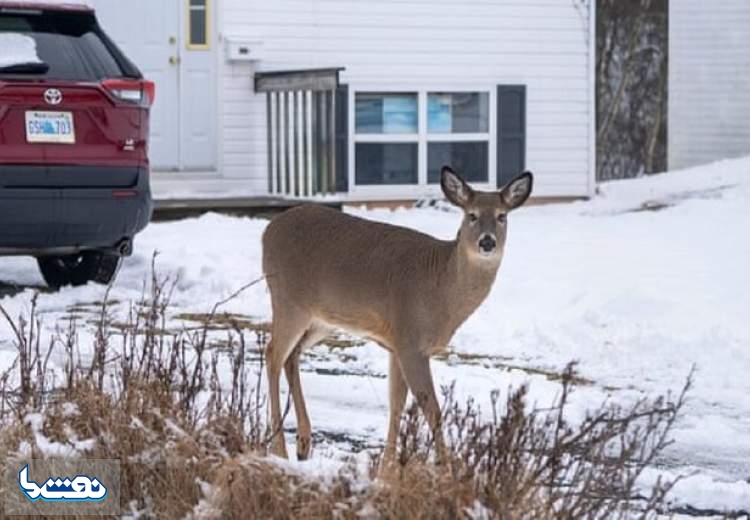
{"type": "Point", "coordinates": [71, 43]}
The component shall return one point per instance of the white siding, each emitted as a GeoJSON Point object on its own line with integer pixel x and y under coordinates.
{"type": "Point", "coordinates": [419, 45]}
{"type": "Point", "coordinates": [709, 81]}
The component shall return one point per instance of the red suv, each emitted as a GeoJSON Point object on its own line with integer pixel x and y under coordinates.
{"type": "Point", "coordinates": [74, 170]}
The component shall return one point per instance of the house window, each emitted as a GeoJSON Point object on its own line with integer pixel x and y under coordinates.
{"type": "Point", "coordinates": [458, 133]}
{"type": "Point", "coordinates": [198, 24]}
{"type": "Point", "coordinates": [386, 138]}
{"type": "Point", "coordinates": [406, 138]}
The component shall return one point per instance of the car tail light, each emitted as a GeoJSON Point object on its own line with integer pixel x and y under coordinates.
{"type": "Point", "coordinates": [139, 92]}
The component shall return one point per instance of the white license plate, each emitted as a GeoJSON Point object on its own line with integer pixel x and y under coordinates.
{"type": "Point", "coordinates": [50, 127]}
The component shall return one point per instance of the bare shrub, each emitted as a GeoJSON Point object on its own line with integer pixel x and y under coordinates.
{"type": "Point", "coordinates": [146, 395]}
{"type": "Point", "coordinates": [534, 463]}
{"type": "Point", "coordinates": [187, 422]}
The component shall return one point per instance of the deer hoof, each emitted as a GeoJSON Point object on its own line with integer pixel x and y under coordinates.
{"type": "Point", "coordinates": [303, 448]}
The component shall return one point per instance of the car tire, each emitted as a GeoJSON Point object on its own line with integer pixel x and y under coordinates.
{"type": "Point", "coordinates": [80, 269]}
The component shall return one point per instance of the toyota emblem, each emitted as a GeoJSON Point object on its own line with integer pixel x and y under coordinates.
{"type": "Point", "coordinates": [53, 96]}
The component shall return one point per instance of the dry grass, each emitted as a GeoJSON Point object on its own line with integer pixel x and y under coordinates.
{"type": "Point", "coordinates": [187, 423]}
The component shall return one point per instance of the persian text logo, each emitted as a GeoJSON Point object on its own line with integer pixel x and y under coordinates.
{"type": "Point", "coordinates": [80, 489]}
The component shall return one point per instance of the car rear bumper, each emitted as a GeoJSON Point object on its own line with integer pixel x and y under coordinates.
{"type": "Point", "coordinates": [64, 210]}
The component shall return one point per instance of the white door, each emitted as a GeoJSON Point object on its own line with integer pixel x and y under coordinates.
{"type": "Point", "coordinates": [153, 35]}
{"type": "Point", "coordinates": [198, 87]}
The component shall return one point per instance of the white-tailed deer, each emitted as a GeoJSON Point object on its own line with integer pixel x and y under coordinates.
{"type": "Point", "coordinates": [402, 289]}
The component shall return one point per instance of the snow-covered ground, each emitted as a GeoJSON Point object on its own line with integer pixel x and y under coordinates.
{"type": "Point", "coordinates": [647, 280]}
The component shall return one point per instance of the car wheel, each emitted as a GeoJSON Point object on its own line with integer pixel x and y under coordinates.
{"type": "Point", "coordinates": [88, 266]}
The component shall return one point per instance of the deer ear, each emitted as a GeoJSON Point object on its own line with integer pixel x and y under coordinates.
{"type": "Point", "coordinates": [454, 187]}
{"type": "Point", "coordinates": [515, 193]}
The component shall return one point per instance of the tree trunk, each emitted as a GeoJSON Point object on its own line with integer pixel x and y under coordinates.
{"type": "Point", "coordinates": [627, 68]}
{"type": "Point", "coordinates": [658, 120]}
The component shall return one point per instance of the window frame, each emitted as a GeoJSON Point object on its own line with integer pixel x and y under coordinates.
{"type": "Point", "coordinates": [422, 188]}
{"type": "Point", "coordinates": [189, 45]}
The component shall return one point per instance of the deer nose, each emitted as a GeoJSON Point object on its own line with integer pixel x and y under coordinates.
{"type": "Point", "coordinates": [487, 244]}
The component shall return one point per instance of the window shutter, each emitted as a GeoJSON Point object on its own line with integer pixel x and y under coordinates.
{"type": "Point", "coordinates": [342, 138]}
{"type": "Point", "coordinates": [511, 132]}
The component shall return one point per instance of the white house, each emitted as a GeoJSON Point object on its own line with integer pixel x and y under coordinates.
{"type": "Point", "coordinates": [709, 81]}
{"type": "Point", "coordinates": [363, 100]}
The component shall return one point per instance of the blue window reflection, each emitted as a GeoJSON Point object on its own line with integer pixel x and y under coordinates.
{"type": "Point", "coordinates": [392, 113]}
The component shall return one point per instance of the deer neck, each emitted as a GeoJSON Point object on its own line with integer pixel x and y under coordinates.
{"type": "Point", "coordinates": [469, 280]}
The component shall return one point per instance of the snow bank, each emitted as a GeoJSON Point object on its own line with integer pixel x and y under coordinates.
{"type": "Point", "coordinates": [17, 49]}
{"type": "Point", "coordinates": [661, 191]}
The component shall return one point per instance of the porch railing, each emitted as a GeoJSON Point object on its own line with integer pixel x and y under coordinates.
{"type": "Point", "coordinates": [301, 126]}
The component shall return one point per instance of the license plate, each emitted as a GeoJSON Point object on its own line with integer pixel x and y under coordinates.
{"type": "Point", "coordinates": [50, 127]}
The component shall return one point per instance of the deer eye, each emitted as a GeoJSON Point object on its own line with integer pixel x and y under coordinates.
{"type": "Point", "coordinates": [502, 217]}
{"type": "Point", "coordinates": [473, 217]}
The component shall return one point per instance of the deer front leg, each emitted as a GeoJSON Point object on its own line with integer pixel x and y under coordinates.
{"type": "Point", "coordinates": [416, 370]}
{"type": "Point", "coordinates": [397, 397]}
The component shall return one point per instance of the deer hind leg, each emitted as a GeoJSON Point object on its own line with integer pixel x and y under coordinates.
{"type": "Point", "coordinates": [287, 330]}
{"type": "Point", "coordinates": [416, 369]}
{"type": "Point", "coordinates": [291, 368]}
{"type": "Point", "coordinates": [397, 397]}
